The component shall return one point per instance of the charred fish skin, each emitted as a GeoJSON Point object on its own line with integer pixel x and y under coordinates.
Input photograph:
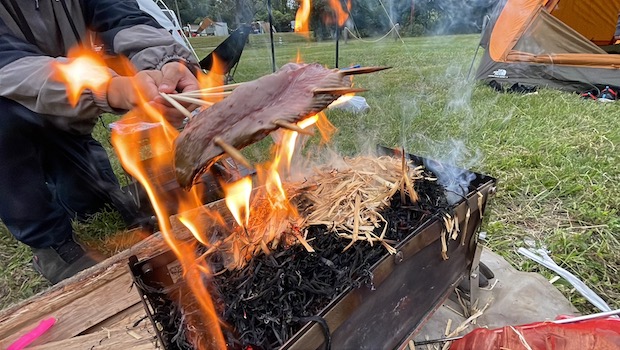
{"type": "Point", "coordinates": [251, 112]}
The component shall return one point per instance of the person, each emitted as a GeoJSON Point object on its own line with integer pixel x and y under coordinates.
{"type": "Point", "coordinates": [52, 169]}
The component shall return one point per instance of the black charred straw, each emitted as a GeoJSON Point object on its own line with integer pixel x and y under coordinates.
{"type": "Point", "coordinates": [273, 296]}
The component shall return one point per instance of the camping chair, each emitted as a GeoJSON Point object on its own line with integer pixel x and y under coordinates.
{"type": "Point", "coordinates": [228, 53]}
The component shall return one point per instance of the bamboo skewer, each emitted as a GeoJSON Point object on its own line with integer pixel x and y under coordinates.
{"type": "Point", "coordinates": [176, 105]}
{"type": "Point", "coordinates": [337, 90]}
{"type": "Point", "coordinates": [205, 95]}
{"type": "Point", "coordinates": [220, 88]}
{"type": "Point", "coordinates": [292, 127]}
{"type": "Point", "coordinates": [195, 101]}
{"type": "Point", "coordinates": [362, 70]}
{"type": "Point", "coordinates": [232, 152]}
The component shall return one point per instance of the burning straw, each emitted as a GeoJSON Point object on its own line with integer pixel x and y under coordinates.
{"type": "Point", "coordinates": [290, 259]}
{"type": "Point", "coordinates": [347, 200]}
{"type": "Point", "coordinates": [350, 200]}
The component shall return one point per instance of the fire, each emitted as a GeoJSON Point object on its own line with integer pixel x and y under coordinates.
{"type": "Point", "coordinates": [302, 18]}
{"type": "Point", "coordinates": [342, 100]}
{"type": "Point", "coordinates": [215, 77]}
{"type": "Point", "coordinates": [298, 58]}
{"type": "Point", "coordinates": [290, 138]}
{"type": "Point", "coordinates": [341, 14]}
{"type": "Point", "coordinates": [238, 200]}
{"type": "Point", "coordinates": [144, 134]}
{"type": "Point", "coordinates": [144, 141]}
{"type": "Point", "coordinates": [84, 70]}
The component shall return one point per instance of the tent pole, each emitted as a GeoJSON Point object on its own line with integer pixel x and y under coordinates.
{"type": "Point", "coordinates": [178, 13]}
{"type": "Point", "coordinates": [273, 50]}
{"type": "Point", "coordinates": [482, 33]}
{"type": "Point", "coordinates": [471, 66]}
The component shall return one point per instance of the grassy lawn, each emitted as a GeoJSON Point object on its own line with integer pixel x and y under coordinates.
{"type": "Point", "coordinates": [554, 155]}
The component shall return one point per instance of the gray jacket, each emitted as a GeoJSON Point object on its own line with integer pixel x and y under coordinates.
{"type": "Point", "coordinates": [35, 34]}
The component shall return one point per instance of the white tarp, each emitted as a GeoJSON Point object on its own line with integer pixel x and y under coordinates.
{"type": "Point", "coordinates": [221, 29]}
{"type": "Point", "coordinates": [165, 17]}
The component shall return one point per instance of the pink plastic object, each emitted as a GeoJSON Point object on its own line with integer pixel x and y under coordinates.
{"type": "Point", "coordinates": [31, 336]}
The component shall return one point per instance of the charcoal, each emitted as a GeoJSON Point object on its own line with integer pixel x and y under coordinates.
{"type": "Point", "coordinates": [265, 303]}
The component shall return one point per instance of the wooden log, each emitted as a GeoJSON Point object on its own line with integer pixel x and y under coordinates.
{"type": "Point", "coordinates": [81, 301]}
{"type": "Point", "coordinates": [102, 296]}
{"type": "Point", "coordinates": [138, 338]}
{"type": "Point", "coordinates": [132, 317]}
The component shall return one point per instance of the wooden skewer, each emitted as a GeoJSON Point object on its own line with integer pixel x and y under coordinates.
{"type": "Point", "coordinates": [232, 152]}
{"type": "Point", "coordinates": [205, 95]}
{"type": "Point", "coordinates": [337, 91]}
{"type": "Point", "coordinates": [221, 87]}
{"type": "Point", "coordinates": [362, 70]}
{"type": "Point", "coordinates": [176, 105]}
{"type": "Point", "coordinates": [196, 101]}
{"type": "Point", "coordinates": [292, 127]}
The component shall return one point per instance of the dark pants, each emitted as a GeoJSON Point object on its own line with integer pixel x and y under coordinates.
{"type": "Point", "coordinates": [49, 176]}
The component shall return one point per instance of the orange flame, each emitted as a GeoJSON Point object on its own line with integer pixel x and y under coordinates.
{"type": "Point", "coordinates": [342, 99]}
{"type": "Point", "coordinates": [341, 14]}
{"type": "Point", "coordinates": [84, 70]}
{"type": "Point", "coordinates": [216, 75]}
{"type": "Point", "coordinates": [143, 140]}
{"type": "Point", "coordinates": [298, 58]}
{"type": "Point", "coordinates": [146, 153]}
{"type": "Point", "coordinates": [193, 228]}
{"type": "Point", "coordinates": [326, 128]}
{"type": "Point", "coordinates": [289, 140]}
{"type": "Point", "coordinates": [302, 17]}
{"type": "Point", "coordinates": [238, 200]}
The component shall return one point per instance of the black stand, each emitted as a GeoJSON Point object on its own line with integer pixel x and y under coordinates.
{"type": "Point", "coordinates": [337, 43]}
{"type": "Point", "coordinates": [273, 52]}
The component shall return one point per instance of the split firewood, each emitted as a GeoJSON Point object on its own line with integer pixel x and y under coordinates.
{"type": "Point", "coordinates": [444, 245]}
{"type": "Point", "coordinates": [480, 203]}
{"type": "Point", "coordinates": [255, 109]}
{"type": "Point", "coordinates": [467, 215]}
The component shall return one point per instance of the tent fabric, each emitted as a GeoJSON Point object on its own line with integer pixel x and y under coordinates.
{"type": "Point", "coordinates": [526, 42]}
{"type": "Point", "coordinates": [510, 25]}
{"type": "Point", "coordinates": [546, 35]}
{"type": "Point", "coordinates": [596, 20]}
{"type": "Point", "coordinates": [171, 24]}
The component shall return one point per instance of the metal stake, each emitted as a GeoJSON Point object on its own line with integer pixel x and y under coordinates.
{"type": "Point", "coordinates": [273, 52]}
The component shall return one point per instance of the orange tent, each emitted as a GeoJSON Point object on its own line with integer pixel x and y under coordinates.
{"type": "Point", "coordinates": [565, 44]}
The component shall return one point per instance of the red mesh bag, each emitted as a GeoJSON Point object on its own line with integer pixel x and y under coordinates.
{"type": "Point", "coordinates": [597, 334]}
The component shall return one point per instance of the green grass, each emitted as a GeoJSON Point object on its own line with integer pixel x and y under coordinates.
{"type": "Point", "coordinates": [555, 156]}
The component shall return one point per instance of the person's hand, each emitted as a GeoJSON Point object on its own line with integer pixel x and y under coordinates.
{"type": "Point", "coordinates": [177, 78]}
{"type": "Point", "coordinates": [129, 92]}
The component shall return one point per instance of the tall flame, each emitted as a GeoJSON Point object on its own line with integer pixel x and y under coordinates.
{"type": "Point", "coordinates": [341, 14]}
{"type": "Point", "coordinates": [144, 134]}
{"type": "Point", "coordinates": [302, 17]}
{"type": "Point", "coordinates": [84, 69]}
{"type": "Point", "coordinates": [135, 144]}
{"type": "Point", "coordinates": [289, 140]}
{"type": "Point", "coordinates": [216, 75]}
{"type": "Point", "coordinates": [238, 200]}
